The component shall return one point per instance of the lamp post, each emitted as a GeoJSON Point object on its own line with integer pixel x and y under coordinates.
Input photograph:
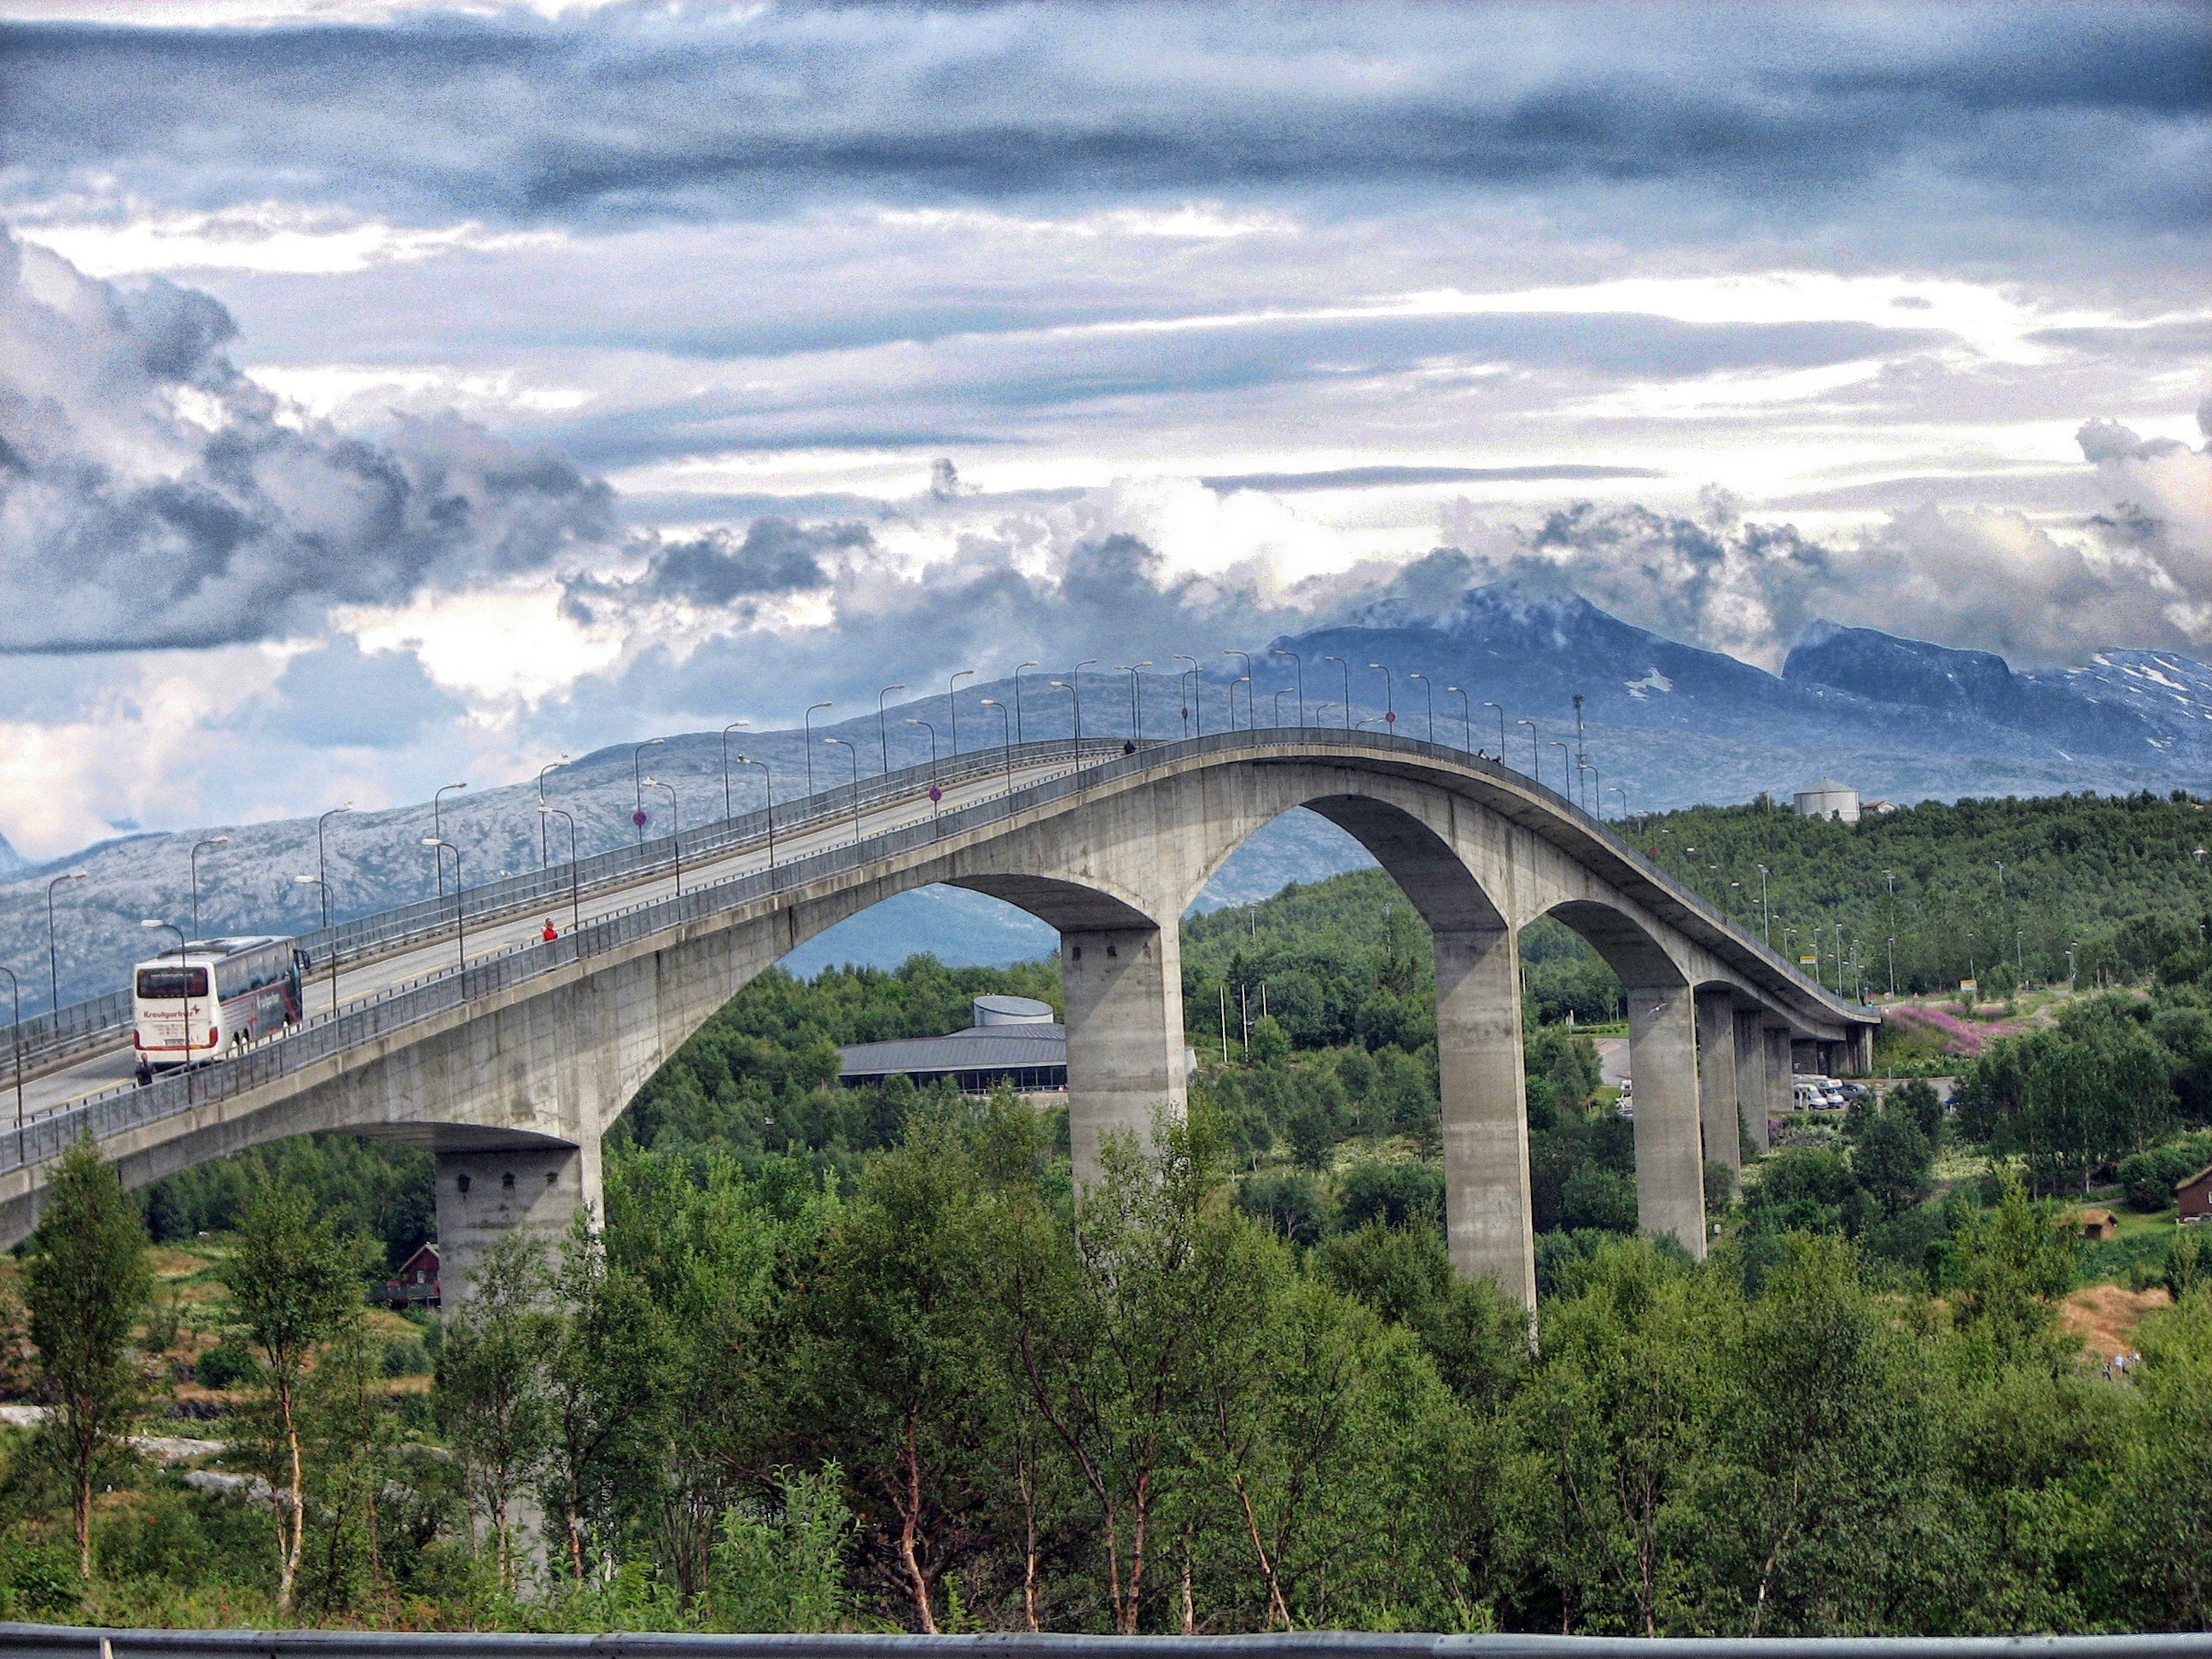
{"type": "Point", "coordinates": [952, 703]}
{"type": "Point", "coordinates": [1189, 699]}
{"type": "Point", "coordinates": [1299, 668]}
{"type": "Point", "coordinates": [1428, 686]}
{"type": "Point", "coordinates": [854, 755]}
{"type": "Point", "coordinates": [15, 1045]}
{"type": "Point", "coordinates": [544, 855]}
{"type": "Point", "coordinates": [768, 786]}
{"type": "Point", "coordinates": [728, 811]}
{"type": "Point", "coordinates": [1347, 669]}
{"type": "Point", "coordinates": [1615, 789]}
{"type": "Point", "coordinates": [1251, 718]}
{"type": "Point", "coordinates": [1074, 685]}
{"type": "Point", "coordinates": [194, 862]}
{"type": "Point", "coordinates": [325, 896]}
{"type": "Point", "coordinates": [1280, 695]}
{"type": "Point", "coordinates": [1566, 766]}
{"type": "Point", "coordinates": [883, 737]}
{"type": "Point", "coordinates": [676, 826]}
{"type": "Point", "coordinates": [439, 849]}
{"type": "Point", "coordinates": [1018, 667]}
{"type": "Point", "coordinates": [637, 787]}
{"type": "Point", "coordinates": [1766, 919]}
{"type": "Point", "coordinates": [184, 981]}
{"type": "Point", "coordinates": [934, 791]}
{"type": "Point", "coordinates": [53, 953]}
{"type": "Point", "coordinates": [1535, 766]}
{"type": "Point", "coordinates": [806, 720]}
{"type": "Point", "coordinates": [438, 829]}
{"type": "Point", "coordinates": [1500, 708]}
{"type": "Point", "coordinates": [1389, 696]}
{"type": "Point", "coordinates": [2071, 946]}
{"type": "Point", "coordinates": [576, 896]}
{"type": "Point", "coordinates": [1596, 793]}
{"type": "Point", "coordinates": [1006, 737]}
{"type": "Point", "coordinates": [1136, 696]}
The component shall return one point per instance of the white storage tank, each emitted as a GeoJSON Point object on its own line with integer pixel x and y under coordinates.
{"type": "Point", "coordinates": [1827, 798]}
{"type": "Point", "coordinates": [1012, 1011]}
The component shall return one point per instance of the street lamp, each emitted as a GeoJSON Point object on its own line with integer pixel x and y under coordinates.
{"type": "Point", "coordinates": [1074, 685]}
{"type": "Point", "coordinates": [1032, 662]}
{"type": "Point", "coordinates": [438, 829]}
{"type": "Point", "coordinates": [952, 703]}
{"type": "Point", "coordinates": [1389, 698]}
{"type": "Point", "coordinates": [676, 826]}
{"type": "Point", "coordinates": [728, 811]}
{"type": "Point", "coordinates": [1464, 722]}
{"type": "Point", "coordinates": [576, 896]}
{"type": "Point", "coordinates": [1347, 669]}
{"type": "Point", "coordinates": [1297, 668]}
{"type": "Point", "coordinates": [1280, 695]}
{"type": "Point", "coordinates": [854, 756]}
{"type": "Point", "coordinates": [1596, 787]}
{"type": "Point", "coordinates": [1615, 789]}
{"type": "Point", "coordinates": [767, 787]}
{"type": "Point", "coordinates": [1766, 921]}
{"type": "Point", "coordinates": [1006, 736]}
{"type": "Point", "coordinates": [1189, 699]}
{"type": "Point", "coordinates": [1136, 696]}
{"type": "Point", "coordinates": [53, 956]}
{"type": "Point", "coordinates": [934, 792]}
{"type": "Point", "coordinates": [15, 1044]}
{"type": "Point", "coordinates": [194, 861]}
{"type": "Point", "coordinates": [1428, 686]}
{"type": "Point", "coordinates": [637, 787]}
{"type": "Point", "coordinates": [1251, 718]}
{"type": "Point", "coordinates": [883, 739]}
{"type": "Point", "coordinates": [807, 721]}
{"type": "Point", "coordinates": [544, 856]}
{"type": "Point", "coordinates": [1566, 766]}
{"type": "Point", "coordinates": [1535, 766]}
{"type": "Point", "coordinates": [438, 851]}
{"type": "Point", "coordinates": [325, 896]}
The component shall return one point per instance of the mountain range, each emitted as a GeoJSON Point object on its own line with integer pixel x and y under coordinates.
{"type": "Point", "coordinates": [1663, 725]}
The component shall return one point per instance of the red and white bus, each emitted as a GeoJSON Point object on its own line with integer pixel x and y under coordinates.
{"type": "Point", "coordinates": [216, 994]}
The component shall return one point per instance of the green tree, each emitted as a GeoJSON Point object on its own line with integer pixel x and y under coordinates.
{"type": "Point", "coordinates": [1891, 1160]}
{"type": "Point", "coordinates": [350, 1434]}
{"type": "Point", "coordinates": [492, 1393]}
{"type": "Point", "coordinates": [293, 1282]}
{"type": "Point", "coordinates": [782, 1570]}
{"type": "Point", "coordinates": [85, 1285]}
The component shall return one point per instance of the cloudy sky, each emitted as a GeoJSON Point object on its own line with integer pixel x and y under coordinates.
{"type": "Point", "coordinates": [393, 394]}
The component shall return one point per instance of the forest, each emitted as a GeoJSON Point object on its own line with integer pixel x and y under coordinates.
{"type": "Point", "coordinates": [845, 1360]}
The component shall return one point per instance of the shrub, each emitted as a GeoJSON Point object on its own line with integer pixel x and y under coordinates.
{"type": "Point", "coordinates": [225, 1365]}
{"type": "Point", "coordinates": [1287, 1204]}
{"type": "Point", "coordinates": [1405, 1194]}
{"type": "Point", "coordinates": [38, 1581]}
{"type": "Point", "coordinates": [405, 1356]}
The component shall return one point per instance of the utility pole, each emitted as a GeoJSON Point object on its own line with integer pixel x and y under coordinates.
{"type": "Point", "coordinates": [1581, 754]}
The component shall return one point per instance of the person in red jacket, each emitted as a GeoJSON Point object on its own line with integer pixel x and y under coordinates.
{"type": "Point", "coordinates": [550, 932]}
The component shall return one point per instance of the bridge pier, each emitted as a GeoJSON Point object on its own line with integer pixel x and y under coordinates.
{"type": "Point", "coordinates": [1123, 990]}
{"type": "Point", "coordinates": [1717, 1080]}
{"type": "Point", "coordinates": [1480, 1074]}
{"type": "Point", "coordinates": [488, 1194]}
{"type": "Point", "coordinates": [1663, 1058]}
{"type": "Point", "coordinates": [1750, 1079]}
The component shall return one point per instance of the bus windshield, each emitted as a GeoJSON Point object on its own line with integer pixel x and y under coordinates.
{"type": "Point", "coordinates": [171, 983]}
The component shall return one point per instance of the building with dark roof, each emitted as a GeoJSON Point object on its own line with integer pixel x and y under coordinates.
{"type": "Point", "coordinates": [1014, 1042]}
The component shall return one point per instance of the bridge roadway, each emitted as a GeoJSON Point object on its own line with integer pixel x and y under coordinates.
{"type": "Point", "coordinates": [509, 1070]}
{"type": "Point", "coordinates": [808, 825]}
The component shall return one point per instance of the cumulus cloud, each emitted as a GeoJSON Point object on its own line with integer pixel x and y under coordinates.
{"type": "Point", "coordinates": [152, 494]}
{"type": "Point", "coordinates": [2138, 575]}
{"type": "Point", "coordinates": [720, 568]}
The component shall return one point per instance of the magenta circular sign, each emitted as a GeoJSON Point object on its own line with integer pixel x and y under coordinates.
{"type": "Point", "coordinates": [641, 817]}
{"type": "Point", "coordinates": [935, 795]}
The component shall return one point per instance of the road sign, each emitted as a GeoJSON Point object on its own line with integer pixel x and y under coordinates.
{"type": "Point", "coordinates": [935, 795]}
{"type": "Point", "coordinates": [1390, 719]}
{"type": "Point", "coordinates": [641, 817]}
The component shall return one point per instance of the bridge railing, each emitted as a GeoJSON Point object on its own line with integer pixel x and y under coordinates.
{"type": "Point", "coordinates": [96, 1021]}
{"type": "Point", "coordinates": [127, 1107]}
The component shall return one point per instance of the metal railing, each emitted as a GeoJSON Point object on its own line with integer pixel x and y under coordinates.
{"type": "Point", "coordinates": [128, 1106]}
{"type": "Point", "coordinates": [86, 1644]}
{"type": "Point", "coordinates": [97, 1021]}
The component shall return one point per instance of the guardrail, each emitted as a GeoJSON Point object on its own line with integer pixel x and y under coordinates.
{"type": "Point", "coordinates": [95, 1022]}
{"type": "Point", "coordinates": [1315, 1644]}
{"type": "Point", "coordinates": [180, 1091]}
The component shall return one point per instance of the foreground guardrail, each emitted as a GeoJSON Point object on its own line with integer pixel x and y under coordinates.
{"type": "Point", "coordinates": [1317, 1645]}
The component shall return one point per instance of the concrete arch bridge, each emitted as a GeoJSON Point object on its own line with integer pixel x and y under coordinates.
{"type": "Point", "coordinates": [509, 1070]}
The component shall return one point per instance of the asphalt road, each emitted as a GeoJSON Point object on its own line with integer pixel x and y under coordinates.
{"type": "Point", "coordinates": [107, 1068]}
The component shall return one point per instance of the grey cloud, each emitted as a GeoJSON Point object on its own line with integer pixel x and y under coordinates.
{"type": "Point", "coordinates": [718, 569]}
{"type": "Point", "coordinates": [151, 495]}
{"type": "Point", "coordinates": [337, 695]}
{"type": "Point", "coordinates": [634, 112]}
{"type": "Point", "coordinates": [1384, 477]}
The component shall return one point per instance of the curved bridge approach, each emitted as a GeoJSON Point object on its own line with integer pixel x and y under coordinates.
{"type": "Point", "coordinates": [510, 1068]}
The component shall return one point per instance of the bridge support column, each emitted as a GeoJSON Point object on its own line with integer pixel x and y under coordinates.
{"type": "Point", "coordinates": [1750, 1078]}
{"type": "Point", "coordinates": [1717, 1083]}
{"type": "Point", "coordinates": [1123, 988]}
{"type": "Point", "coordinates": [1663, 1058]}
{"type": "Point", "coordinates": [1780, 1086]}
{"type": "Point", "coordinates": [485, 1195]}
{"type": "Point", "coordinates": [1488, 1212]}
